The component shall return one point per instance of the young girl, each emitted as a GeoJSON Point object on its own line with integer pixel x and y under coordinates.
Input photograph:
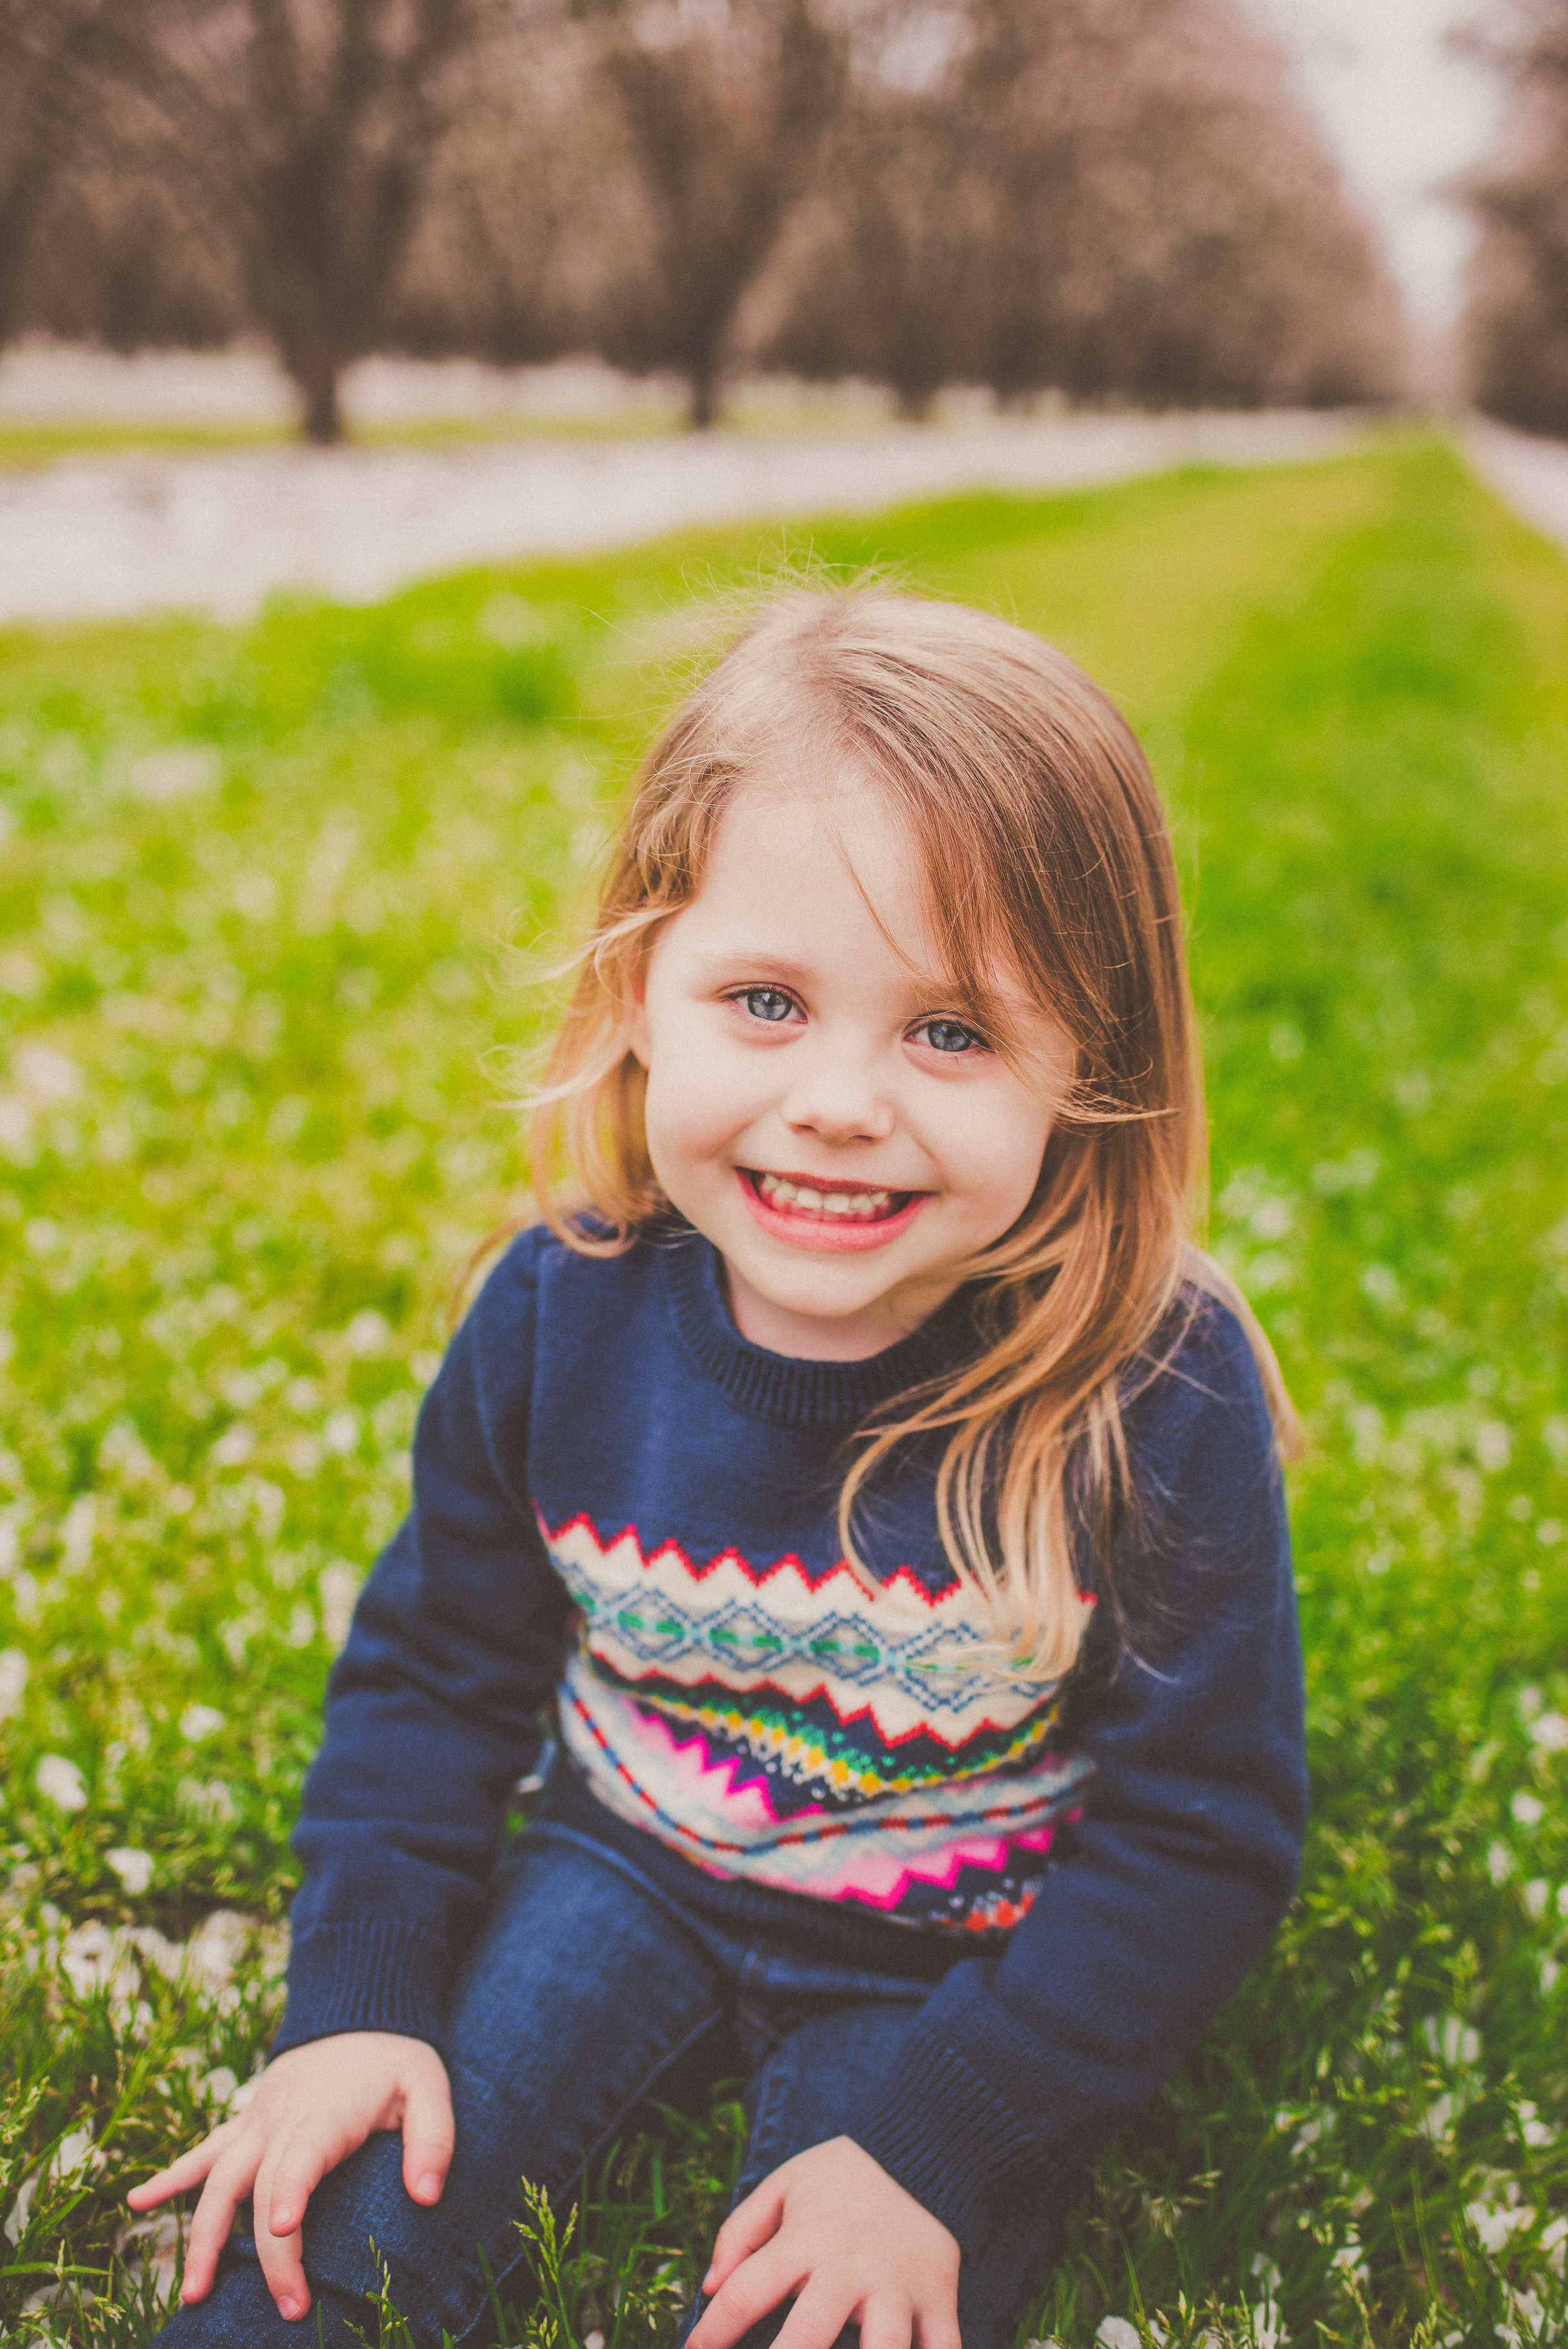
{"type": "Point", "coordinates": [880, 1490]}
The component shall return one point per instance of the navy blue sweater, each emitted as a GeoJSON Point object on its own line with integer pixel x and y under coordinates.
{"type": "Point", "coordinates": [625, 1511]}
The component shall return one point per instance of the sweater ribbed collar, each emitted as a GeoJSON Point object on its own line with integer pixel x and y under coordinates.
{"type": "Point", "coordinates": [781, 1387]}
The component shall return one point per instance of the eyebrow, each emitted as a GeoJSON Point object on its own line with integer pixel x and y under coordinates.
{"type": "Point", "coordinates": [746, 963]}
{"type": "Point", "coordinates": [719, 968]}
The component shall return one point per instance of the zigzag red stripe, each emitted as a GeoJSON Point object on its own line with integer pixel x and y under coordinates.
{"type": "Point", "coordinates": [828, 1832]}
{"type": "Point", "coordinates": [820, 1694]}
{"type": "Point", "coordinates": [755, 1575]}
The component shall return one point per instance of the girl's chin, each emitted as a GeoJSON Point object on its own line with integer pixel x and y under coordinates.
{"type": "Point", "coordinates": [822, 1234]}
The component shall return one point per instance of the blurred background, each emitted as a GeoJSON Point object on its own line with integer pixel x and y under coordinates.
{"type": "Point", "coordinates": [1227, 203]}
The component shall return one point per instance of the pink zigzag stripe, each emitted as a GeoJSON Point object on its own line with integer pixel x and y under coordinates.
{"type": "Point", "coordinates": [943, 1879]}
{"type": "Point", "coordinates": [823, 1694]}
{"type": "Point", "coordinates": [983, 1851]}
{"type": "Point", "coordinates": [757, 1576]}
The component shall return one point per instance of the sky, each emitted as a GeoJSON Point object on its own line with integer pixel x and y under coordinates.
{"type": "Point", "coordinates": [1402, 113]}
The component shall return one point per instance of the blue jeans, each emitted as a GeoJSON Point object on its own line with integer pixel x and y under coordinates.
{"type": "Point", "coordinates": [587, 1998]}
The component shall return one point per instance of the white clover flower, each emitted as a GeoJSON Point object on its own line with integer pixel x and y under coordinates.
{"type": "Point", "coordinates": [1439, 2118]}
{"type": "Point", "coordinates": [174, 773]}
{"type": "Point", "coordinates": [61, 1782]}
{"type": "Point", "coordinates": [1116, 2332]}
{"type": "Point", "coordinates": [198, 1720]}
{"type": "Point", "coordinates": [13, 1682]}
{"type": "Point", "coordinates": [215, 1948]}
{"type": "Point", "coordinates": [1528, 1809]}
{"type": "Point", "coordinates": [340, 1432]}
{"type": "Point", "coordinates": [338, 1586]}
{"type": "Point", "coordinates": [1456, 2042]}
{"type": "Point", "coordinates": [133, 1867]}
{"type": "Point", "coordinates": [1528, 2305]}
{"type": "Point", "coordinates": [73, 2152]}
{"type": "Point", "coordinates": [150, 2246]}
{"type": "Point", "coordinates": [207, 1798]}
{"type": "Point", "coordinates": [1493, 1444]}
{"type": "Point", "coordinates": [368, 1333]}
{"type": "Point", "coordinates": [47, 1075]}
{"type": "Point", "coordinates": [1537, 1892]}
{"type": "Point", "coordinates": [1495, 2225]}
{"type": "Point", "coordinates": [78, 1527]}
{"type": "Point", "coordinates": [1550, 1731]}
{"type": "Point", "coordinates": [22, 2210]}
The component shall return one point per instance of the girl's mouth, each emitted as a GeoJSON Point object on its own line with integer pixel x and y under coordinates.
{"type": "Point", "coordinates": [832, 1216]}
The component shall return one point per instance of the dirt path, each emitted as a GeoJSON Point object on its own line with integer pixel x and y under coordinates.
{"type": "Point", "coordinates": [117, 536]}
{"type": "Point", "coordinates": [1528, 474]}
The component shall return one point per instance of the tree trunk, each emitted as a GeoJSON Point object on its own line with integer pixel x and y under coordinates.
{"type": "Point", "coordinates": [321, 412]}
{"type": "Point", "coordinates": [703, 413]}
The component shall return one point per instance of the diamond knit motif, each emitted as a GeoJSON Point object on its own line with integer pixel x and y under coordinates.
{"type": "Point", "coordinates": [809, 1734]}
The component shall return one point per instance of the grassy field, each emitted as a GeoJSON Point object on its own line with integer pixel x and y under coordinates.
{"type": "Point", "coordinates": [761, 409]}
{"type": "Point", "coordinates": [253, 890]}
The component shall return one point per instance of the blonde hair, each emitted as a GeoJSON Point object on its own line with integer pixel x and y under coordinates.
{"type": "Point", "coordinates": [976, 732]}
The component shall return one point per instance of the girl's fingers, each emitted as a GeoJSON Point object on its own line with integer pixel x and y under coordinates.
{"type": "Point", "coordinates": [281, 2250]}
{"type": "Point", "coordinates": [932, 2331]}
{"type": "Point", "coordinates": [428, 2134]}
{"type": "Point", "coordinates": [748, 2226]}
{"type": "Point", "coordinates": [188, 2171]}
{"type": "Point", "coordinates": [820, 2315]}
{"type": "Point", "coordinates": [755, 2287]}
{"type": "Point", "coordinates": [228, 2184]}
{"type": "Point", "coordinates": [289, 2180]}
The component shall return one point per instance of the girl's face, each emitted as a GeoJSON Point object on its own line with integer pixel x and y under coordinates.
{"type": "Point", "coordinates": [815, 1105]}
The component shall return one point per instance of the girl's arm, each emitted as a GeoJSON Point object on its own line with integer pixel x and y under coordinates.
{"type": "Point", "coordinates": [1020, 2067]}
{"type": "Point", "coordinates": [456, 1643]}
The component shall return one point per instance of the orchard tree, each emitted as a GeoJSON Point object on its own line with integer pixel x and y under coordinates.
{"type": "Point", "coordinates": [308, 131]}
{"type": "Point", "coordinates": [1516, 316]}
{"type": "Point", "coordinates": [53, 56]}
{"type": "Point", "coordinates": [883, 259]}
{"type": "Point", "coordinates": [719, 116]}
{"type": "Point", "coordinates": [1109, 198]}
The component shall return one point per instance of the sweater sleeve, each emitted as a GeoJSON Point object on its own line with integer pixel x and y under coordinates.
{"type": "Point", "coordinates": [457, 1642]}
{"type": "Point", "coordinates": [1019, 2067]}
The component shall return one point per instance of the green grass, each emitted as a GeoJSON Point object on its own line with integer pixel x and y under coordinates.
{"type": "Point", "coordinates": [758, 411]}
{"type": "Point", "coordinates": [250, 908]}
{"type": "Point", "coordinates": [25, 444]}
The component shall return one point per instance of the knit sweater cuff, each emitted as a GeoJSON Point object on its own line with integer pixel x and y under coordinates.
{"type": "Point", "coordinates": [374, 1974]}
{"type": "Point", "coordinates": [943, 2132]}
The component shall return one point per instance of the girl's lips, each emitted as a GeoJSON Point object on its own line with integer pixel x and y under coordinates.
{"type": "Point", "coordinates": [831, 1235]}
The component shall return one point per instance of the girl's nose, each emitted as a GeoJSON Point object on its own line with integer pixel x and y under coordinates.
{"type": "Point", "coordinates": [837, 1098]}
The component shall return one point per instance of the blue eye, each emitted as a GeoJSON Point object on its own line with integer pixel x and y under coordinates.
{"type": "Point", "coordinates": [770, 1003]}
{"type": "Point", "coordinates": [947, 1036]}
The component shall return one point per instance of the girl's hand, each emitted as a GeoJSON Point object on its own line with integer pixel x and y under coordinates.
{"type": "Point", "coordinates": [313, 2107]}
{"type": "Point", "coordinates": [832, 2227]}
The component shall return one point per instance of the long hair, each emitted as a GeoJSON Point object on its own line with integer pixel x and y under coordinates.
{"type": "Point", "coordinates": [1046, 854]}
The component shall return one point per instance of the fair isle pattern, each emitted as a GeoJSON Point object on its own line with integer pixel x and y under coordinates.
{"type": "Point", "coordinates": [804, 1734]}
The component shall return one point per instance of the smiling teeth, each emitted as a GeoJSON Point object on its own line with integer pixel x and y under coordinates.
{"type": "Point", "coordinates": [860, 1207]}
